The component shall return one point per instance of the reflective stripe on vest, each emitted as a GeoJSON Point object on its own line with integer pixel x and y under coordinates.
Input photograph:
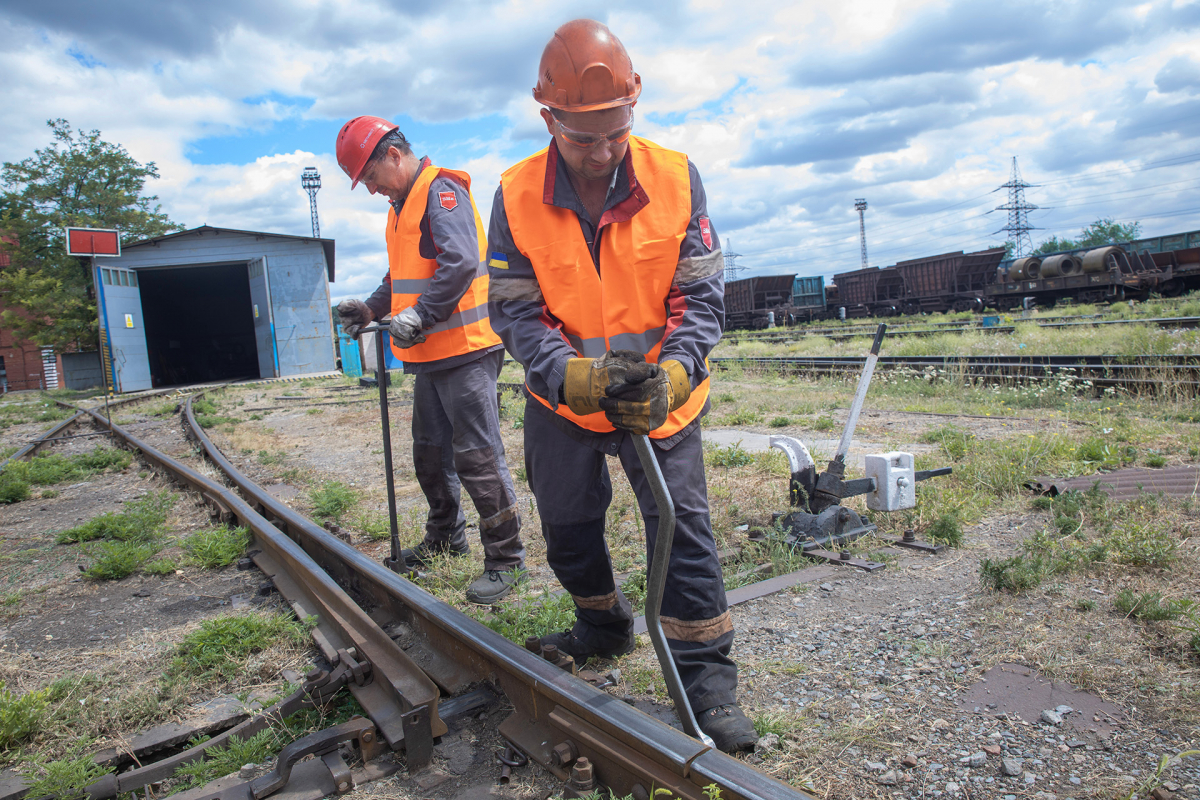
{"type": "Point", "coordinates": [623, 306]}
{"type": "Point", "coordinates": [467, 329]}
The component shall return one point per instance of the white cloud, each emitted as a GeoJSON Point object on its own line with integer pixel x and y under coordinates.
{"type": "Point", "coordinates": [790, 112]}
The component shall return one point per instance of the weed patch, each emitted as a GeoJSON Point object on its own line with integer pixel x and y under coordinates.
{"type": "Point", "coordinates": [50, 469]}
{"type": "Point", "coordinates": [20, 715]}
{"type": "Point", "coordinates": [1151, 606]}
{"type": "Point", "coordinates": [141, 521]}
{"type": "Point", "coordinates": [216, 547]}
{"type": "Point", "coordinates": [220, 647]}
{"type": "Point", "coordinates": [332, 499]}
{"type": "Point", "coordinates": [208, 416]}
{"type": "Point", "coordinates": [946, 529]}
{"type": "Point", "coordinates": [66, 778]}
{"type": "Point", "coordinates": [538, 616]}
{"type": "Point", "coordinates": [731, 456]}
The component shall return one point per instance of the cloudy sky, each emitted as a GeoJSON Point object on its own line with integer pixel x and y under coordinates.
{"type": "Point", "coordinates": [790, 111]}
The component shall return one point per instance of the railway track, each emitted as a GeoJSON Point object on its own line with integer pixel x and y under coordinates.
{"type": "Point", "coordinates": [414, 662]}
{"type": "Point", "coordinates": [843, 334]}
{"type": "Point", "coordinates": [1144, 374]}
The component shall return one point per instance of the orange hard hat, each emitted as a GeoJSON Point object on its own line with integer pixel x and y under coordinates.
{"type": "Point", "coordinates": [356, 141]}
{"type": "Point", "coordinates": [585, 68]}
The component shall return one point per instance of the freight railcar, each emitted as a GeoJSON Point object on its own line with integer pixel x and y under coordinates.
{"type": "Point", "coordinates": [1167, 265]}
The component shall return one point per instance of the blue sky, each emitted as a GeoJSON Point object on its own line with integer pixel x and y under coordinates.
{"type": "Point", "coordinates": [790, 112]}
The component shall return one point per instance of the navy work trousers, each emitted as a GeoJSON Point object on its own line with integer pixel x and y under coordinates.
{"type": "Point", "coordinates": [570, 481]}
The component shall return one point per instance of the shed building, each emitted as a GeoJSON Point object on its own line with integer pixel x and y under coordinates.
{"type": "Point", "coordinates": [216, 304]}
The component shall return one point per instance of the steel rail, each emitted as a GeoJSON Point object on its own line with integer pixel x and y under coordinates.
{"type": "Point", "coordinates": [1177, 371]}
{"type": "Point", "coordinates": [557, 717]}
{"type": "Point", "coordinates": [628, 748]}
{"type": "Point", "coordinates": [841, 334]}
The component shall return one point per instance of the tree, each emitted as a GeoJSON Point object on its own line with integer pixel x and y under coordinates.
{"type": "Point", "coordinates": [79, 180]}
{"type": "Point", "coordinates": [1103, 231]}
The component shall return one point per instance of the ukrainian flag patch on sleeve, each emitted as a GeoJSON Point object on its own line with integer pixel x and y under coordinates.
{"type": "Point", "coordinates": [499, 261]}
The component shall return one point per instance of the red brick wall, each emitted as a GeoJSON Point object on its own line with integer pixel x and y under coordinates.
{"type": "Point", "coordinates": [22, 360]}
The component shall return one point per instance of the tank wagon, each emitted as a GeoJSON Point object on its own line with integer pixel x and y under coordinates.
{"type": "Point", "coordinates": [1167, 265]}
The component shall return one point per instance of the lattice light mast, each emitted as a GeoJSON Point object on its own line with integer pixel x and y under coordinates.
{"type": "Point", "coordinates": [1018, 226]}
{"type": "Point", "coordinates": [860, 205]}
{"type": "Point", "coordinates": [310, 179]}
{"type": "Point", "coordinates": [731, 267]}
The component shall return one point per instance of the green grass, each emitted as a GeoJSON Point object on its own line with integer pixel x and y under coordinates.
{"type": "Point", "coordinates": [20, 715]}
{"type": "Point", "coordinates": [216, 547]}
{"type": "Point", "coordinates": [113, 561]}
{"type": "Point", "coordinates": [946, 529]}
{"type": "Point", "coordinates": [1017, 574]}
{"type": "Point", "coordinates": [743, 416]}
{"type": "Point", "coordinates": [780, 422]}
{"type": "Point", "coordinates": [823, 424]}
{"type": "Point", "coordinates": [331, 499]}
{"type": "Point", "coordinates": [531, 616]}
{"type": "Point", "coordinates": [208, 416]}
{"type": "Point", "coordinates": [65, 778]}
{"type": "Point", "coordinates": [220, 647]}
{"type": "Point", "coordinates": [1151, 606]}
{"type": "Point", "coordinates": [52, 468]}
{"type": "Point", "coordinates": [952, 440]}
{"type": "Point", "coordinates": [731, 456]}
{"type": "Point", "coordinates": [141, 521]}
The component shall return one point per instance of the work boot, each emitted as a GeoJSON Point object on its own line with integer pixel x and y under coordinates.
{"type": "Point", "coordinates": [491, 586]}
{"type": "Point", "coordinates": [567, 642]}
{"type": "Point", "coordinates": [424, 554]}
{"type": "Point", "coordinates": [729, 728]}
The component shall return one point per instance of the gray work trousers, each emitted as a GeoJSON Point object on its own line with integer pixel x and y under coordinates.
{"type": "Point", "coordinates": [571, 483]}
{"type": "Point", "coordinates": [456, 443]}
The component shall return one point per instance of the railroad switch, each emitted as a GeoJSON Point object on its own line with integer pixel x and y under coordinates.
{"type": "Point", "coordinates": [818, 524]}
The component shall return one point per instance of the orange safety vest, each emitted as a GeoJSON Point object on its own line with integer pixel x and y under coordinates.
{"type": "Point", "coordinates": [624, 305]}
{"type": "Point", "coordinates": [466, 330]}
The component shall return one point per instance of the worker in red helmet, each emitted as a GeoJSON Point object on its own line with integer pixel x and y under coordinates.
{"type": "Point", "coordinates": [436, 293]}
{"type": "Point", "coordinates": [607, 287]}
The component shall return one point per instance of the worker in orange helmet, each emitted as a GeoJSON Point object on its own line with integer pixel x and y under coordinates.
{"type": "Point", "coordinates": [436, 293]}
{"type": "Point", "coordinates": [606, 285]}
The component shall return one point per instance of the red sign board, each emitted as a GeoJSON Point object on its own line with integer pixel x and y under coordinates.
{"type": "Point", "coordinates": [93, 242]}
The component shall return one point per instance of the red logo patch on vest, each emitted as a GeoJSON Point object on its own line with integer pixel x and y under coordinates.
{"type": "Point", "coordinates": [448, 200]}
{"type": "Point", "coordinates": [706, 232]}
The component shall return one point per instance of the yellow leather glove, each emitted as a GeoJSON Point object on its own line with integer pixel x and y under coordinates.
{"type": "Point", "coordinates": [641, 403]}
{"type": "Point", "coordinates": [588, 379]}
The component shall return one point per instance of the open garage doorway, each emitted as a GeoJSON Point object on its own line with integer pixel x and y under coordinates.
{"type": "Point", "coordinates": [199, 324]}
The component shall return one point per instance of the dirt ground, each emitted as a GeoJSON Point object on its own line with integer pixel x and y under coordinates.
{"type": "Point", "coordinates": [913, 681]}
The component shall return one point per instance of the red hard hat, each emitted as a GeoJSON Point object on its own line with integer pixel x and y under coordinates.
{"type": "Point", "coordinates": [585, 68]}
{"type": "Point", "coordinates": [356, 141]}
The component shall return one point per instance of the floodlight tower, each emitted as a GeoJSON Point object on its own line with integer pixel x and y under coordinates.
{"type": "Point", "coordinates": [1018, 226]}
{"type": "Point", "coordinates": [731, 267]}
{"type": "Point", "coordinates": [860, 205]}
{"type": "Point", "coordinates": [310, 179]}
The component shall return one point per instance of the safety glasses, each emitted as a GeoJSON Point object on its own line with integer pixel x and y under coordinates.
{"type": "Point", "coordinates": [590, 140]}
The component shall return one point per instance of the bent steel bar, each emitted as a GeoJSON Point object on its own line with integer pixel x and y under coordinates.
{"type": "Point", "coordinates": [399, 686]}
{"type": "Point", "coordinates": [657, 582]}
{"type": "Point", "coordinates": [628, 747]}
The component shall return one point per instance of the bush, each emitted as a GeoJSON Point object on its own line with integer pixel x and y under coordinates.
{"type": "Point", "coordinates": [332, 499]}
{"type": "Point", "coordinates": [216, 547]}
{"type": "Point", "coordinates": [20, 715]}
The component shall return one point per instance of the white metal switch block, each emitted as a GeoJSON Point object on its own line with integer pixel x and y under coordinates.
{"type": "Point", "coordinates": [895, 481]}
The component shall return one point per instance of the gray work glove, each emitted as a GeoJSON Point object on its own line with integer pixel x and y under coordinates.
{"type": "Point", "coordinates": [406, 328]}
{"type": "Point", "coordinates": [355, 315]}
